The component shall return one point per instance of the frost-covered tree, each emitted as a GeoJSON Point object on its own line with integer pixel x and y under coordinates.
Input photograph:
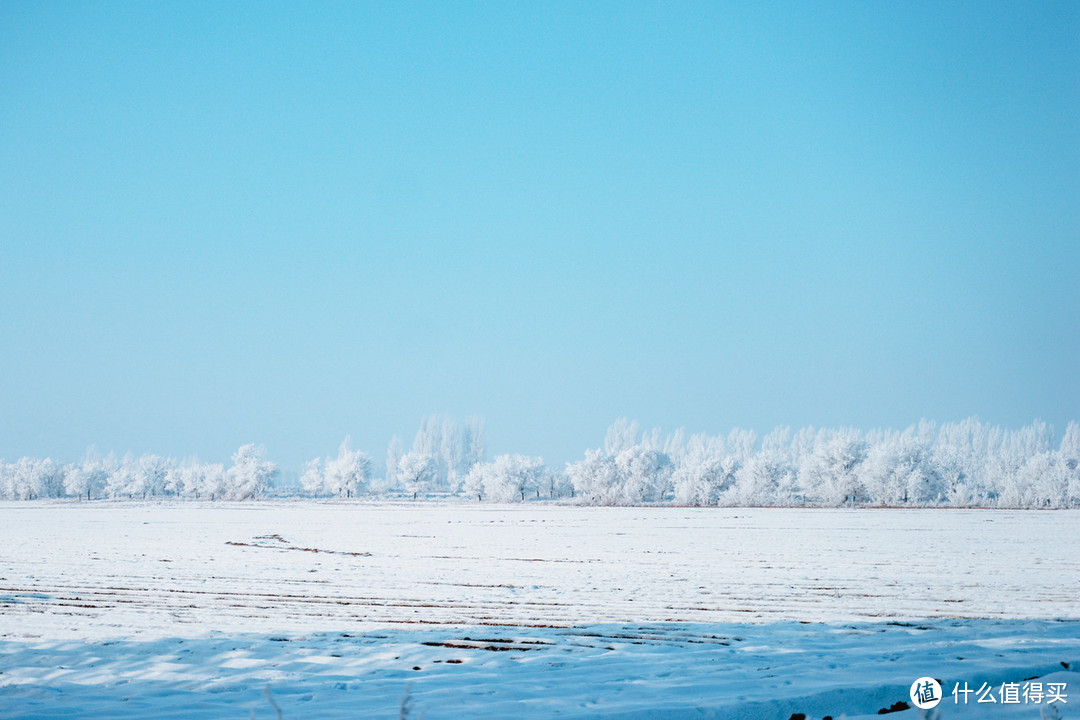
{"type": "Point", "coordinates": [211, 480]}
{"type": "Point", "coordinates": [428, 438]}
{"type": "Point", "coordinates": [437, 439]}
{"type": "Point", "coordinates": [176, 476]}
{"type": "Point", "coordinates": [250, 475]}
{"type": "Point", "coordinates": [121, 479]}
{"type": "Point", "coordinates": [514, 477]}
{"type": "Point", "coordinates": [1041, 482]}
{"type": "Point", "coordinates": [1009, 452]}
{"type": "Point", "coordinates": [187, 478]}
{"type": "Point", "coordinates": [476, 482]}
{"type": "Point", "coordinates": [452, 447]}
{"type": "Point", "coordinates": [349, 473]}
{"type": "Point", "coordinates": [32, 478]}
{"type": "Point", "coordinates": [472, 444]}
{"type": "Point", "coordinates": [831, 470]}
{"type": "Point", "coordinates": [757, 482]}
{"type": "Point", "coordinates": [701, 474]}
{"type": "Point", "coordinates": [967, 463]}
{"type": "Point", "coordinates": [450, 453]}
{"type": "Point", "coordinates": [738, 450]}
{"type": "Point", "coordinates": [312, 478]}
{"type": "Point", "coordinates": [76, 482]}
{"type": "Point", "coordinates": [778, 449]}
{"type": "Point", "coordinates": [899, 469]}
{"type": "Point", "coordinates": [507, 478]}
{"type": "Point", "coordinates": [558, 484]}
{"type": "Point", "coordinates": [766, 477]}
{"type": "Point", "coordinates": [645, 475]}
{"type": "Point", "coordinates": [88, 476]}
{"type": "Point", "coordinates": [417, 472]}
{"type": "Point", "coordinates": [636, 473]}
{"type": "Point", "coordinates": [621, 435]}
{"type": "Point", "coordinates": [150, 474]}
{"type": "Point", "coordinates": [1069, 454]}
{"type": "Point", "coordinates": [960, 454]}
{"type": "Point", "coordinates": [394, 452]}
{"type": "Point", "coordinates": [595, 479]}
{"type": "Point", "coordinates": [741, 444]}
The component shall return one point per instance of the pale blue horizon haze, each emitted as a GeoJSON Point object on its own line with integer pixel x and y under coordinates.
{"type": "Point", "coordinates": [285, 223]}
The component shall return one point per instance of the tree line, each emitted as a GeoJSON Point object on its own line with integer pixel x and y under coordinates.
{"type": "Point", "coordinates": [964, 464]}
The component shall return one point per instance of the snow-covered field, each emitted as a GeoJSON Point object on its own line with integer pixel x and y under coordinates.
{"type": "Point", "coordinates": [193, 610]}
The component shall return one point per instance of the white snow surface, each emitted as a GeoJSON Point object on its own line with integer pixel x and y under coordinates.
{"type": "Point", "coordinates": [182, 610]}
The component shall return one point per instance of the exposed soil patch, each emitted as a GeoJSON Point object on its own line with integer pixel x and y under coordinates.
{"type": "Point", "coordinates": [489, 644]}
{"type": "Point", "coordinates": [276, 542]}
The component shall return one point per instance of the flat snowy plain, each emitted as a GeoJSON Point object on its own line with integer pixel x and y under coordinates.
{"type": "Point", "coordinates": [337, 609]}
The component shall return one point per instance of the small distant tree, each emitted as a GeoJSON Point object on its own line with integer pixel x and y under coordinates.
{"type": "Point", "coordinates": [121, 477]}
{"type": "Point", "coordinates": [437, 439]}
{"type": "Point", "coordinates": [87, 476]}
{"type": "Point", "coordinates": [213, 480]}
{"type": "Point", "coordinates": [151, 472]}
{"type": "Point", "coordinates": [476, 482]}
{"type": "Point", "coordinates": [1069, 454]}
{"type": "Point", "coordinates": [186, 478]}
{"type": "Point", "coordinates": [621, 435]}
{"type": "Point", "coordinates": [347, 474]}
{"type": "Point", "coordinates": [510, 478]}
{"type": "Point", "coordinates": [176, 476]}
{"type": "Point", "coordinates": [472, 441]}
{"type": "Point", "coordinates": [595, 479]}
{"type": "Point", "coordinates": [312, 479]}
{"type": "Point", "coordinates": [417, 472]}
{"type": "Point", "coordinates": [251, 474]}
{"type": "Point", "coordinates": [558, 484]}
{"type": "Point", "coordinates": [393, 459]}
{"type": "Point", "coordinates": [450, 453]}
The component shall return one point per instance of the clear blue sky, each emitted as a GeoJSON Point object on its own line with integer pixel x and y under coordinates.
{"type": "Point", "coordinates": [282, 223]}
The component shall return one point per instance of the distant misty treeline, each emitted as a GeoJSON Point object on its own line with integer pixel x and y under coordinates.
{"type": "Point", "coordinates": [964, 464]}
